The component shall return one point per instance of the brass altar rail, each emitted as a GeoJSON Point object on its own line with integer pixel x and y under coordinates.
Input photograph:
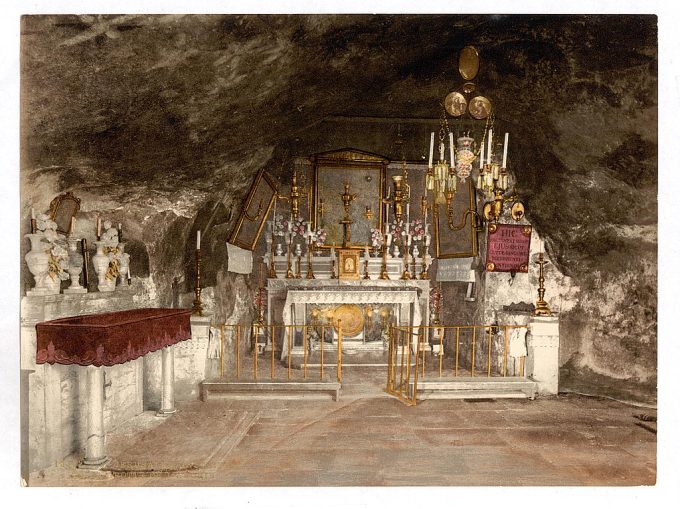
{"type": "Point", "coordinates": [293, 340]}
{"type": "Point", "coordinates": [407, 359]}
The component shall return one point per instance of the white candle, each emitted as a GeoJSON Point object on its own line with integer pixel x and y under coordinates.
{"type": "Point", "coordinates": [99, 227]}
{"type": "Point", "coordinates": [73, 224]}
{"type": "Point", "coordinates": [274, 218]}
{"type": "Point", "coordinates": [408, 239]}
{"type": "Point", "coordinates": [453, 157]}
{"type": "Point", "coordinates": [429, 165]}
{"type": "Point", "coordinates": [389, 239]}
{"type": "Point", "coordinates": [489, 149]}
{"type": "Point", "coordinates": [32, 213]}
{"type": "Point", "coordinates": [198, 239]}
{"type": "Point", "coordinates": [427, 239]}
{"type": "Point", "coordinates": [333, 253]}
{"type": "Point", "coordinates": [505, 150]}
{"type": "Point", "coordinates": [481, 158]}
{"type": "Point", "coordinates": [408, 213]}
{"type": "Point", "coordinates": [387, 216]}
{"type": "Point", "coordinates": [366, 255]}
{"type": "Point", "coordinates": [128, 274]}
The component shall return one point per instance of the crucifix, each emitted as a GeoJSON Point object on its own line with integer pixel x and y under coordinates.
{"type": "Point", "coordinates": [347, 199]}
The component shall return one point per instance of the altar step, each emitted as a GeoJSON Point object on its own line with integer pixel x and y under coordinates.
{"type": "Point", "coordinates": [476, 388]}
{"type": "Point", "coordinates": [268, 389]}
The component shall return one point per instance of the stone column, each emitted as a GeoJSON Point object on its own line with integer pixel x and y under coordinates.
{"type": "Point", "coordinates": [95, 446]}
{"type": "Point", "coordinates": [167, 382]}
{"type": "Point", "coordinates": [543, 347]}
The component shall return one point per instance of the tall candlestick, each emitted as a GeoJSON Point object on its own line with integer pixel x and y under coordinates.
{"type": "Point", "coordinates": [490, 149]}
{"type": "Point", "coordinates": [32, 213]}
{"type": "Point", "coordinates": [481, 158]}
{"type": "Point", "coordinates": [453, 157]}
{"type": "Point", "coordinates": [505, 150]}
{"type": "Point", "coordinates": [429, 165]}
{"type": "Point", "coordinates": [387, 216]}
{"type": "Point", "coordinates": [198, 239]}
{"type": "Point", "coordinates": [274, 216]}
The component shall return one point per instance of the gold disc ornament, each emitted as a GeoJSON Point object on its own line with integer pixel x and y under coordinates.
{"type": "Point", "coordinates": [352, 319]}
{"type": "Point", "coordinates": [455, 104]}
{"type": "Point", "coordinates": [480, 107]}
{"type": "Point", "coordinates": [517, 210]}
{"type": "Point", "coordinates": [468, 63]}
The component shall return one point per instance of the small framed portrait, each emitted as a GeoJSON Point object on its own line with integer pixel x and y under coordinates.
{"type": "Point", "coordinates": [348, 263]}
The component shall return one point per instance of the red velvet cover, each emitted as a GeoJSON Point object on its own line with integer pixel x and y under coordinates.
{"type": "Point", "coordinates": [106, 339]}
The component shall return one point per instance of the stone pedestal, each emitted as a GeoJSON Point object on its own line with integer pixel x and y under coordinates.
{"type": "Point", "coordinates": [543, 345]}
{"type": "Point", "coordinates": [167, 382]}
{"type": "Point", "coordinates": [95, 446]}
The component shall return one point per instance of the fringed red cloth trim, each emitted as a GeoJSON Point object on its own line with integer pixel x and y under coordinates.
{"type": "Point", "coordinates": [106, 339]}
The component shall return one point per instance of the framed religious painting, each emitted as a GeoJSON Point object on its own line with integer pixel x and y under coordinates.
{"type": "Point", "coordinates": [254, 212]}
{"type": "Point", "coordinates": [360, 177]}
{"type": "Point", "coordinates": [349, 263]}
{"type": "Point", "coordinates": [455, 225]}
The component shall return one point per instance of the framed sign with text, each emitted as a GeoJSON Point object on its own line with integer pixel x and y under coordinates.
{"type": "Point", "coordinates": [507, 248]}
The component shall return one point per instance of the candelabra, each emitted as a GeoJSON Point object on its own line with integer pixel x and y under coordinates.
{"type": "Point", "coordinates": [542, 308]}
{"type": "Point", "coordinates": [423, 273]}
{"type": "Point", "coordinates": [272, 264]}
{"type": "Point", "coordinates": [198, 306]}
{"type": "Point", "coordinates": [366, 276]}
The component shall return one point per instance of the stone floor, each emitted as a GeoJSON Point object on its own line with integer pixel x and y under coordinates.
{"type": "Point", "coordinates": [370, 439]}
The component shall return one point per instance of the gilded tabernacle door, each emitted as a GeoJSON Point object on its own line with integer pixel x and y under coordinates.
{"type": "Point", "coordinates": [365, 174]}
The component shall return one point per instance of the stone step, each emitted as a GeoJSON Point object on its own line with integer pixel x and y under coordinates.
{"type": "Point", "coordinates": [476, 388]}
{"type": "Point", "coordinates": [269, 389]}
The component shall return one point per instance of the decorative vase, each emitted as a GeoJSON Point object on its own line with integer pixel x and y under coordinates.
{"type": "Point", "coordinates": [279, 249]}
{"type": "Point", "coordinates": [75, 267]}
{"type": "Point", "coordinates": [37, 260]}
{"type": "Point", "coordinates": [101, 265]}
{"type": "Point", "coordinates": [124, 262]}
{"type": "Point", "coordinates": [298, 250]}
{"type": "Point", "coordinates": [395, 251]}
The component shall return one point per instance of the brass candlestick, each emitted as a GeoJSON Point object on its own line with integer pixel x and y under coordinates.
{"type": "Point", "coordinates": [406, 274]}
{"type": "Point", "coordinates": [333, 269]}
{"type": "Point", "coordinates": [86, 262]}
{"type": "Point", "coordinates": [310, 270]}
{"type": "Point", "coordinates": [272, 264]}
{"type": "Point", "coordinates": [415, 270]}
{"type": "Point", "coordinates": [366, 276]}
{"type": "Point", "coordinates": [423, 272]}
{"type": "Point", "coordinates": [34, 225]}
{"type": "Point", "coordinates": [289, 270]}
{"type": "Point", "coordinates": [298, 267]}
{"type": "Point", "coordinates": [542, 308]}
{"type": "Point", "coordinates": [383, 267]}
{"type": "Point", "coordinates": [198, 306]}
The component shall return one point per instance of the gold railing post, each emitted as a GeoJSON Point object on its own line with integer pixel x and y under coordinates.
{"type": "Point", "coordinates": [457, 342]}
{"type": "Point", "coordinates": [422, 339]}
{"type": "Point", "coordinates": [290, 340]}
{"type": "Point", "coordinates": [442, 332]}
{"type": "Point", "coordinates": [505, 350]}
{"type": "Point", "coordinates": [409, 337]}
{"type": "Point", "coordinates": [389, 361]}
{"type": "Point", "coordinates": [415, 376]}
{"type": "Point", "coordinates": [304, 345]}
{"type": "Point", "coordinates": [488, 358]}
{"type": "Point", "coordinates": [322, 342]}
{"type": "Point", "coordinates": [273, 366]}
{"type": "Point", "coordinates": [222, 351]}
{"type": "Point", "coordinates": [237, 335]}
{"type": "Point", "coordinates": [340, 351]}
{"type": "Point", "coordinates": [401, 362]}
{"type": "Point", "coordinates": [255, 331]}
{"type": "Point", "coordinates": [474, 337]}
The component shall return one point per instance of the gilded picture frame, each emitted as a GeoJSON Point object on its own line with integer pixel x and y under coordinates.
{"type": "Point", "coordinates": [62, 209]}
{"type": "Point", "coordinates": [254, 212]}
{"type": "Point", "coordinates": [461, 240]}
{"type": "Point", "coordinates": [365, 173]}
{"type": "Point", "coordinates": [349, 263]}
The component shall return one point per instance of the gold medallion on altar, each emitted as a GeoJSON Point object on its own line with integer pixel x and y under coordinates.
{"type": "Point", "coordinates": [351, 319]}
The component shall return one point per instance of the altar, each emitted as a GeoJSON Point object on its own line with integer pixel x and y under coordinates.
{"type": "Point", "coordinates": [366, 308]}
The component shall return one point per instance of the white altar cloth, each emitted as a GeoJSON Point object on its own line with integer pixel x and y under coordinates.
{"type": "Point", "coordinates": [296, 301]}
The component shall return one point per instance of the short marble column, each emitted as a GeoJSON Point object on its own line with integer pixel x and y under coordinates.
{"type": "Point", "coordinates": [167, 382]}
{"type": "Point", "coordinates": [543, 348]}
{"type": "Point", "coordinates": [95, 446]}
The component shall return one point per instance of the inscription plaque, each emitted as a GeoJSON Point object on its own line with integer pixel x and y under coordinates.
{"type": "Point", "coordinates": [508, 248]}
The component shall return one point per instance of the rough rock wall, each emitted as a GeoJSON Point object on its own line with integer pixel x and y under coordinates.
{"type": "Point", "coordinates": [160, 122]}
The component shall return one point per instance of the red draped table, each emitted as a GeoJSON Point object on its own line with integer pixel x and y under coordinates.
{"type": "Point", "coordinates": [107, 339]}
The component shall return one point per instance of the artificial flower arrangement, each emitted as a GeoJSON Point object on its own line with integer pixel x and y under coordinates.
{"type": "Point", "coordinates": [435, 300]}
{"type": "Point", "coordinates": [57, 250]}
{"type": "Point", "coordinates": [320, 237]}
{"type": "Point", "coordinates": [397, 229]}
{"type": "Point", "coordinates": [298, 227]}
{"type": "Point", "coordinates": [377, 237]}
{"type": "Point", "coordinates": [417, 229]}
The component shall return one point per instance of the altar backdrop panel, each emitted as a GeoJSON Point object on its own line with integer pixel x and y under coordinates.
{"type": "Point", "coordinates": [365, 174]}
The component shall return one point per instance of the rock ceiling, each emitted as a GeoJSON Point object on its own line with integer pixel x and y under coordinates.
{"type": "Point", "coordinates": [161, 113]}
